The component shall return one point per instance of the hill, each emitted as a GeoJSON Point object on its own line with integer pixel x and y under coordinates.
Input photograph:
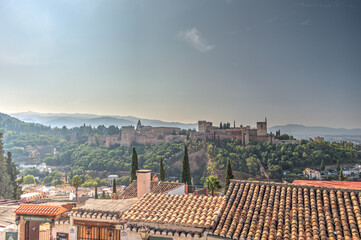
{"type": "Point", "coordinates": [75, 120]}
{"type": "Point", "coordinates": [332, 134]}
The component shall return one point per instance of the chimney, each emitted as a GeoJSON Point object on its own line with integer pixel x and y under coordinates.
{"type": "Point", "coordinates": [186, 189]}
{"type": "Point", "coordinates": [143, 182]}
{"type": "Point", "coordinates": [206, 190]}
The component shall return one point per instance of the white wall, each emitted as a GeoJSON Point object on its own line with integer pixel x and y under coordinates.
{"type": "Point", "coordinates": [177, 191]}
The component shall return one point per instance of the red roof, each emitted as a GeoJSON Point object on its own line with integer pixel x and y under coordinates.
{"type": "Point", "coordinates": [39, 210]}
{"type": "Point", "coordinates": [335, 184]}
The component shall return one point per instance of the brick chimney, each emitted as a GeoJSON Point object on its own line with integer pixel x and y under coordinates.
{"type": "Point", "coordinates": [143, 182]}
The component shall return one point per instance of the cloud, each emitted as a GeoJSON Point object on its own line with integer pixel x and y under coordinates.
{"type": "Point", "coordinates": [193, 37]}
{"type": "Point", "coordinates": [305, 23]}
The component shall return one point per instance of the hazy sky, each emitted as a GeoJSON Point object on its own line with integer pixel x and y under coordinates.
{"type": "Point", "coordinates": [186, 60]}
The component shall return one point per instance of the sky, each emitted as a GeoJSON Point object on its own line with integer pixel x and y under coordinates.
{"type": "Point", "coordinates": [218, 60]}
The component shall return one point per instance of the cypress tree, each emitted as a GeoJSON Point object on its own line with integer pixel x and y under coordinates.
{"type": "Point", "coordinates": [133, 173]}
{"type": "Point", "coordinates": [96, 192]}
{"type": "Point", "coordinates": [114, 186]}
{"type": "Point", "coordinates": [229, 175]}
{"type": "Point", "coordinates": [162, 173]}
{"type": "Point", "coordinates": [341, 175]}
{"type": "Point", "coordinates": [323, 165]}
{"type": "Point", "coordinates": [7, 189]}
{"type": "Point", "coordinates": [186, 172]}
{"type": "Point", "coordinates": [338, 165]}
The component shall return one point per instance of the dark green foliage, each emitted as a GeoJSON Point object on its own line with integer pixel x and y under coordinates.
{"type": "Point", "coordinates": [340, 175]}
{"type": "Point", "coordinates": [9, 184]}
{"type": "Point", "coordinates": [229, 175]}
{"type": "Point", "coordinates": [213, 184]}
{"type": "Point", "coordinates": [186, 172]}
{"type": "Point", "coordinates": [96, 192]}
{"type": "Point", "coordinates": [133, 172]}
{"type": "Point", "coordinates": [114, 186]}
{"type": "Point", "coordinates": [338, 165]}
{"type": "Point", "coordinates": [323, 165]}
{"type": "Point", "coordinates": [162, 172]}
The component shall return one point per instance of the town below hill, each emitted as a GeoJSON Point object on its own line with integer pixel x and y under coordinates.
{"type": "Point", "coordinates": [51, 155]}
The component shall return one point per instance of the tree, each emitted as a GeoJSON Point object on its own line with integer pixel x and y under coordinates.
{"type": "Point", "coordinates": [229, 175]}
{"type": "Point", "coordinates": [29, 179]}
{"type": "Point", "coordinates": [323, 165]}
{"type": "Point", "coordinates": [338, 165]}
{"type": "Point", "coordinates": [76, 183]}
{"type": "Point", "coordinates": [13, 174]}
{"type": "Point", "coordinates": [212, 183]}
{"type": "Point", "coordinates": [114, 186]}
{"type": "Point", "coordinates": [186, 171]}
{"type": "Point", "coordinates": [96, 192]}
{"type": "Point", "coordinates": [341, 175]}
{"type": "Point", "coordinates": [162, 172]}
{"type": "Point", "coordinates": [6, 185]}
{"type": "Point", "coordinates": [133, 173]}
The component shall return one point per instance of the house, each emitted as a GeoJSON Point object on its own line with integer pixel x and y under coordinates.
{"type": "Point", "coordinates": [311, 174]}
{"type": "Point", "coordinates": [111, 179]}
{"type": "Point", "coordinates": [263, 210]}
{"type": "Point", "coordinates": [144, 185]}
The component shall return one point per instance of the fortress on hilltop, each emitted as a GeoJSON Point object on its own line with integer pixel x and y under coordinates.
{"type": "Point", "coordinates": [245, 134]}
{"type": "Point", "coordinates": [141, 135]}
{"type": "Point", "coordinates": [153, 135]}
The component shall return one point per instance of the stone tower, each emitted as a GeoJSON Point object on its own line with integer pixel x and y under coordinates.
{"type": "Point", "coordinates": [139, 125]}
{"type": "Point", "coordinates": [262, 128]}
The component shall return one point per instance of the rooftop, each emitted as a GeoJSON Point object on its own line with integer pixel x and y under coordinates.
{"type": "Point", "coordinates": [184, 210]}
{"type": "Point", "coordinates": [155, 187]}
{"type": "Point", "coordinates": [42, 210]}
{"type": "Point", "coordinates": [335, 184]}
{"type": "Point", "coordinates": [103, 208]}
{"type": "Point", "coordinates": [263, 210]}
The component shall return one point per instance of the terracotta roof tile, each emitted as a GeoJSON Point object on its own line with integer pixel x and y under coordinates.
{"type": "Point", "coordinates": [155, 187]}
{"type": "Point", "coordinates": [39, 210]}
{"type": "Point", "coordinates": [260, 210]}
{"type": "Point", "coordinates": [185, 210]}
{"type": "Point", "coordinates": [335, 184]}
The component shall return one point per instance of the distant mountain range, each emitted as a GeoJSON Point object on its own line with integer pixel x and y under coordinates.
{"type": "Point", "coordinates": [305, 132]}
{"type": "Point", "coordinates": [76, 120]}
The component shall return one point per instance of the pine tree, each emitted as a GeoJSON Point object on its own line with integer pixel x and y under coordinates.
{"type": "Point", "coordinates": [162, 172]}
{"type": "Point", "coordinates": [323, 165]}
{"type": "Point", "coordinates": [341, 175]}
{"type": "Point", "coordinates": [133, 173]}
{"type": "Point", "coordinates": [229, 175]}
{"type": "Point", "coordinates": [96, 192]}
{"type": "Point", "coordinates": [186, 172]}
{"type": "Point", "coordinates": [114, 186]}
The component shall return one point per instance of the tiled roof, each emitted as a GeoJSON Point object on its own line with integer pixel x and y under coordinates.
{"type": "Point", "coordinates": [39, 210]}
{"type": "Point", "coordinates": [185, 210]}
{"type": "Point", "coordinates": [335, 184]}
{"type": "Point", "coordinates": [102, 209]}
{"type": "Point", "coordinates": [260, 210]}
{"type": "Point", "coordinates": [155, 187]}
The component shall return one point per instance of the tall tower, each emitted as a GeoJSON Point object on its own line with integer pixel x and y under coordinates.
{"type": "Point", "coordinates": [262, 128]}
{"type": "Point", "coordinates": [139, 125]}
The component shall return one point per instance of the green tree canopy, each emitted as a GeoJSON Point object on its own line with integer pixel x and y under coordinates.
{"type": "Point", "coordinates": [186, 172]}
{"type": "Point", "coordinates": [162, 172]}
{"type": "Point", "coordinates": [76, 181]}
{"type": "Point", "coordinates": [133, 173]}
{"type": "Point", "coordinates": [29, 179]}
{"type": "Point", "coordinates": [213, 184]}
{"type": "Point", "coordinates": [229, 175]}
